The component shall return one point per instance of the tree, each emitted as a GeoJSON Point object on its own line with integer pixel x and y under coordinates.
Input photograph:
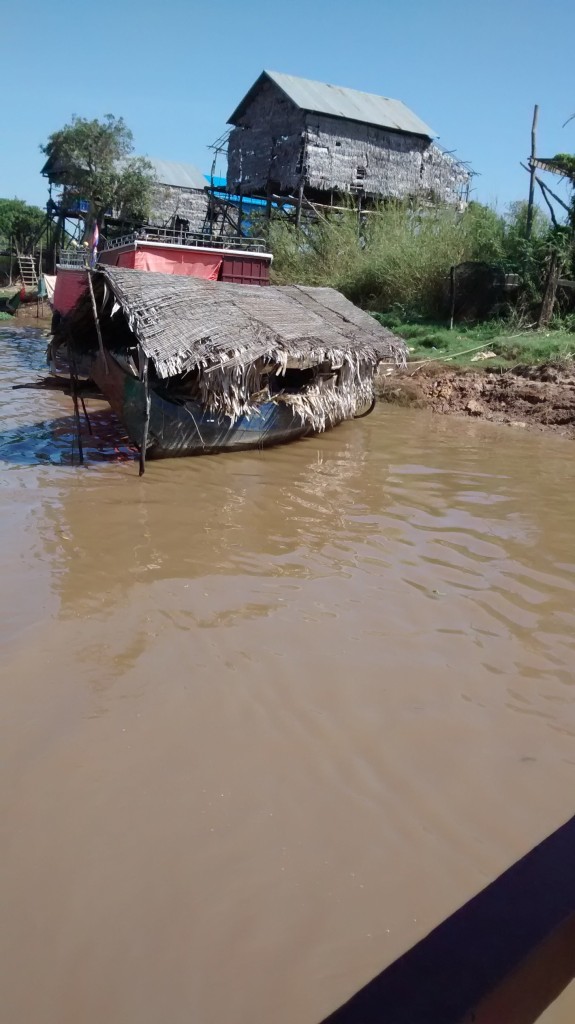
{"type": "Point", "coordinates": [20, 223]}
{"type": "Point", "coordinates": [93, 161]}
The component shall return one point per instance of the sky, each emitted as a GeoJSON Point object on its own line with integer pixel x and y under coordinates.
{"type": "Point", "coordinates": [176, 71]}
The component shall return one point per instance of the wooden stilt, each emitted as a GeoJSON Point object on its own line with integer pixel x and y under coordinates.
{"type": "Point", "coordinates": [531, 200]}
{"type": "Point", "coordinates": [550, 291]}
{"type": "Point", "coordinates": [452, 296]}
{"type": "Point", "coordinates": [299, 204]}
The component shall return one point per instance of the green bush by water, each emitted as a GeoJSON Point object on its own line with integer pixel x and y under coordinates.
{"type": "Point", "coordinates": [399, 257]}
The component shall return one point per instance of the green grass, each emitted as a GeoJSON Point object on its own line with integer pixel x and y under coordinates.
{"type": "Point", "coordinates": [511, 346]}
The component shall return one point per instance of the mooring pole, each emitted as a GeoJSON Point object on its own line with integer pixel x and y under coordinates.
{"type": "Point", "coordinates": [74, 390]}
{"type": "Point", "coordinates": [146, 416]}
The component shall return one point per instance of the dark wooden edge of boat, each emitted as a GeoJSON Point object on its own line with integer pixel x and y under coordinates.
{"type": "Point", "coordinates": [502, 958]}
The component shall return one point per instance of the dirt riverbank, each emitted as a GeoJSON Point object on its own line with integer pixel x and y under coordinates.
{"type": "Point", "coordinates": [27, 317]}
{"type": "Point", "coordinates": [540, 397]}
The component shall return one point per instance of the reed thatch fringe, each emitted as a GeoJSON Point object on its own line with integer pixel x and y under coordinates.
{"type": "Point", "coordinates": [234, 337]}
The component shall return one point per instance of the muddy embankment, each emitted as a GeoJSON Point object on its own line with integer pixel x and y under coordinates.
{"type": "Point", "coordinates": [28, 317]}
{"type": "Point", "coordinates": [539, 397]}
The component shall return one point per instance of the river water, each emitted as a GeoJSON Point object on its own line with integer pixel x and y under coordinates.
{"type": "Point", "coordinates": [268, 718]}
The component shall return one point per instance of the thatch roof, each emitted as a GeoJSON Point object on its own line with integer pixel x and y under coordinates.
{"type": "Point", "coordinates": [232, 347]}
{"type": "Point", "coordinates": [185, 322]}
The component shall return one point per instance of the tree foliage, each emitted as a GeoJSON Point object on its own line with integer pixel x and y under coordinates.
{"type": "Point", "coordinates": [20, 223]}
{"type": "Point", "coordinates": [401, 255]}
{"type": "Point", "coordinates": [565, 163]}
{"type": "Point", "coordinates": [93, 160]}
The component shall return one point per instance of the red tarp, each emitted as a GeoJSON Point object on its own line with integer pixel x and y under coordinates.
{"type": "Point", "coordinates": [70, 284]}
{"type": "Point", "coordinates": [173, 261]}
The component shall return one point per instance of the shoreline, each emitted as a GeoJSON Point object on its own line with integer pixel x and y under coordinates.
{"type": "Point", "coordinates": [25, 318]}
{"type": "Point", "coordinates": [535, 397]}
{"type": "Point", "coordinates": [538, 396]}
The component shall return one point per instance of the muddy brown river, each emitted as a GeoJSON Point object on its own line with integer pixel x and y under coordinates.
{"type": "Point", "coordinates": [268, 718]}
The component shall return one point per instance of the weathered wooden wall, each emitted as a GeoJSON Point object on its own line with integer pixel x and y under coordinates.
{"type": "Point", "coordinates": [169, 202]}
{"type": "Point", "coordinates": [266, 148]}
{"type": "Point", "coordinates": [344, 156]}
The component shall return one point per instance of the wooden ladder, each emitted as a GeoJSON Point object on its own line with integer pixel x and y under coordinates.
{"type": "Point", "coordinates": [27, 269]}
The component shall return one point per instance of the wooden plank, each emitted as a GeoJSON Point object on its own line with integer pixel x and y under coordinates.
{"type": "Point", "coordinates": [500, 959]}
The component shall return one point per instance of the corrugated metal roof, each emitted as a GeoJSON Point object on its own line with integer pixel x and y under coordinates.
{"type": "Point", "coordinates": [337, 101]}
{"type": "Point", "coordinates": [181, 175]}
{"type": "Point", "coordinates": [168, 172]}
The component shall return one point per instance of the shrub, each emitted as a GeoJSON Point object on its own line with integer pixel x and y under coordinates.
{"type": "Point", "coordinates": [398, 256]}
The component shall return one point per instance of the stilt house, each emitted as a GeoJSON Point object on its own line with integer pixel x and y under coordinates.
{"type": "Point", "coordinates": [291, 137]}
{"type": "Point", "coordinates": [179, 197]}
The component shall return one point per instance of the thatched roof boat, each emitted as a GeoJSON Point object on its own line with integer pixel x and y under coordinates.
{"type": "Point", "coordinates": [193, 365]}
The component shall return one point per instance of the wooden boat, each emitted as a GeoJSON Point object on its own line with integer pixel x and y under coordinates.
{"type": "Point", "coordinates": [174, 428]}
{"type": "Point", "coordinates": [229, 259]}
{"type": "Point", "coordinates": [232, 260]}
{"type": "Point", "coordinates": [193, 366]}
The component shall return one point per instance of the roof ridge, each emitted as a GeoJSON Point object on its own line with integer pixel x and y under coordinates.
{"type": "Point", "coordinates": [334, 85]}
{"type": "Point", "coordinates": [339, 101]}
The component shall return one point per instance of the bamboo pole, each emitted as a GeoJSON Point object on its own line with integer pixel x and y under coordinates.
{"type": "Point", "coordinates": [40, 293]}
{"type": "Point", "coordinates": [550, 291]}
{"type": "Point", "coordinates": [557, 198]}
{"type": "Point", "coordinates": [74, 390]}
{"type": "Point", "coordinates": [97, 322]}
{"type": "Point", "coordinates": [144, 441]}
{"type": "Point", "coordinates": [531, 199]}
{"type": "Point", "coordinates": [299, 203]}
{"type": "Point", "coordinates": [547, 200]}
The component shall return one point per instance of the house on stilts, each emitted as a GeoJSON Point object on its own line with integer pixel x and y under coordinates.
{"type": "Point", "coordinates": [179, 201]}
{"type": "Point", "coordinates": [304, 141]}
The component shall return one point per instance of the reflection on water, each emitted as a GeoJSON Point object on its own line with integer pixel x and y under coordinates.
{"type": "Point", "coordinates": [39, 426]}
{"type": "Point", "coordinates": [269, 717]}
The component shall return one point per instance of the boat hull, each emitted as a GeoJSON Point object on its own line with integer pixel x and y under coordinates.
{"type": "Point", "coordinates": [177, 429]}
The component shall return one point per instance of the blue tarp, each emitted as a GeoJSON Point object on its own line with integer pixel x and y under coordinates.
{"type": "Point", "coordinates": [221, 183]}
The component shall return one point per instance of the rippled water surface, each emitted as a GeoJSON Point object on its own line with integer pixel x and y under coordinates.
{"type": "Point", "coordinates": [268, 717]}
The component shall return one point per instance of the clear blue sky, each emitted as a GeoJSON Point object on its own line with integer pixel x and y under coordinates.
{"type": "Point", "coordinates": [176, 70]}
